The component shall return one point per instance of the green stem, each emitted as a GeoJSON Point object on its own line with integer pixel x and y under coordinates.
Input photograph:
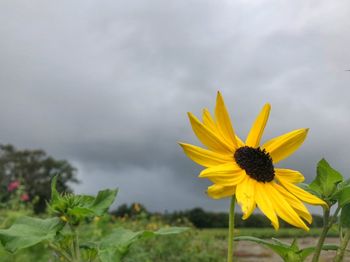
{"type": "Point", "coordinates": [231, 228]}
{"type": "Point", "coordinates": [343, 244]}
{"type": "Point", "coordinates": [326, 227]}
{"type": "Point", "coordinates": [334, 217]}
{"type": "Point", "coordinates": [76, 248]}
{"type": "Point", "coordinates": [60, 252]}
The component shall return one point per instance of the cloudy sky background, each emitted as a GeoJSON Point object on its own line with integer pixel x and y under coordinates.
{"type": "Point", "coordinates": [106, 85]}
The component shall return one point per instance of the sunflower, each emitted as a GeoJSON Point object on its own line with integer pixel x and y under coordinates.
{"type": "Point", "coordinates": [247, 169]}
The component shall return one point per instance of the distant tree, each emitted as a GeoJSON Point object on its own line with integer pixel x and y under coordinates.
{"type": "Point", "coordinates": [257, 220]}
{"type": "Point", "coordinates": [121, 211]}
{"type": "Point", "coordinates": [34, 169]}
{"type": "Point", "coordinates": [199, 218]}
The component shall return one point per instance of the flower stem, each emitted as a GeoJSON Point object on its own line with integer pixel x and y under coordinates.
{"type": "Point", "coordinates": [335, 216]}
{"type": "Point", "coordinates": [76, 249]}
{"type": "Point", "coordinates": [231, 228]}
{"type": "Point", "coordinates": [60, 252]}
{"type": "Point", "coordinates": [326, 227]}
{"type": "Point", "coordinates": [343, 244]}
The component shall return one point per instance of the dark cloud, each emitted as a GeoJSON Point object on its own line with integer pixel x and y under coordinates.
{"type": "Point", "coordinates": [107, 85]}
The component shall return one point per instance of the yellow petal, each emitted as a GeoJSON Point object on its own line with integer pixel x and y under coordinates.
{"type": "Point", "coordinates": [209, 122]}
{"type": "Point", "coordinates": [207, 137]}
{"type": "Point", "coordinates": [217, 191]}
{"type": "Point", "coordinates": [265, 204]}
{"type": "Point", "coordinates": [302, 194]}
{"type": "Point", "coordinates": [226, 179]}
{"type": "Point", "coordinates": [283, 146]}
{"type": "Point", "coordinates": [205, 157]}
{"type": "Point", "coordinates": [223, 120]}
{"type": "Point", "coordinates": [240, 143]}
{"type": "Point", "coordinates": [298, 206]}
{"type": "Point", "coordinates": [229, 174]}
{"type": "Point", "coordinates": [245, 194]}
{"type": "Point", "coordinates": [289, 175]}
{"type": "Point", "coordinates": [258, 127]}
{"type": "Point", "coordinates": [224, 170]}
{"type": "Point", "coordinates": [283, 208]}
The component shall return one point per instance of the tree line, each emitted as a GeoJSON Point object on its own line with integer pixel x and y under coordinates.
{"type": "Point", "coordinates": [201, 218]}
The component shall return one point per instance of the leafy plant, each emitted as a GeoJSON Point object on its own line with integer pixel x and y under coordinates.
{"type": "Point", "coordinates": [330, 185]}
{"type": "Point", "coordinates": [60, 232]}
{"type": "Point", "coordinates": [288, 252]}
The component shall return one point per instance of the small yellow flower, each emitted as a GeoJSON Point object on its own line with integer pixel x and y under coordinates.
{"type": "Point", "coordinates": [137, 207]}
{"type": "Point", "coordinates": [64, 218]}
{"type": "Point", "coordinates": [246, 169]}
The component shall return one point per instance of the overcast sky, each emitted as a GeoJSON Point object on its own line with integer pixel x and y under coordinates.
{"type": "Point", "coordinates": [106, 85]}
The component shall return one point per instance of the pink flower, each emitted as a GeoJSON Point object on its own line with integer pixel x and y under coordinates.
{"type": "Point", "coordinates": [13, 186]}
{"type": "Point", "coordinates": [25, 197]}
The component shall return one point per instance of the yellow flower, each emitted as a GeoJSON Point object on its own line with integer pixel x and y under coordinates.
{"type": "Point", "coordinates": [64, 218]}
{"type": "Point", "coordinates": [137, 207]}
{"type": "Point", "coordinates": [246, 169]}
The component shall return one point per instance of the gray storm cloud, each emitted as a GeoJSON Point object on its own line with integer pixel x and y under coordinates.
{"type": "Point", "coordinates": [107, 84]}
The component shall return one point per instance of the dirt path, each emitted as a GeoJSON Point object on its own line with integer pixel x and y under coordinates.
{"type": "Point", "coordinates": [251, 252]}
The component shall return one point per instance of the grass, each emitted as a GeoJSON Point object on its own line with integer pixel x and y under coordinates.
{"type": "Point", "coordinates": [269, 232]}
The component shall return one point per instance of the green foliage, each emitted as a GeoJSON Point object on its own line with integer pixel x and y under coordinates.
{"type": "Point", "coordinates": [342, 195]}
{"type": "Point", "coordinates": [115, 246]}
{"type": "Point", "coordinates": [102, 202]}
{"type": "Point", "coordinates": [61, 233]}
{"type": "Point", "coordinates": [75, 208]}
{"type": "Point", "coordinates": [28, 231]}
{"type": "Point", "coordinates": [288, 252]}
{"type": "Point", "coordinates": [330, 186]}
{"type": "Point", "coordinates": [345, 217]}
{"type": "Point", "coordinates": [194, 245]}
{"type": "Point", "coordinates": [326, 180]}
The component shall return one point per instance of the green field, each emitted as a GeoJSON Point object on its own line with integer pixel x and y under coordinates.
{"type": "Point", "coordinates": [191, 246]}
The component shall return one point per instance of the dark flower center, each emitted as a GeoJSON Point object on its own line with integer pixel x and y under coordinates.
{"type": "Point", "coordinates": [256, 162]}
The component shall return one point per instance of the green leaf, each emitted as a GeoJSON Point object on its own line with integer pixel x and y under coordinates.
{"type": "Point", "coordinates": [305, 252]}
{"type": "Point", "coordinates": [109, 255]}
{"type": "Point", "coordinates": [103, 201]}
{"type": "Point", "coordinates": [345, 216]}
{"type": "Point", "coordinates": [80, 212]}
{"type": "Point", "coordinates": [116, 245]}
{"type": "Point", "coordinates": [278, 247]}
{"type": "Point", "coordinates": [343, 196]}
{"type": "Point", "coordinates": [28, 231]}
{"type": "Point", "coordinates": [288, 252]}
{"type": "Point", "coordinates": [343, 184]}
{"type": "Point", "coordinates": [54, 194]}
{"type": "Point", "coordinates": [281, 243]}
{"type": "Point", "coordinates": [294, 246]}
{"type": "Point", "coordinates": [326, 180]}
